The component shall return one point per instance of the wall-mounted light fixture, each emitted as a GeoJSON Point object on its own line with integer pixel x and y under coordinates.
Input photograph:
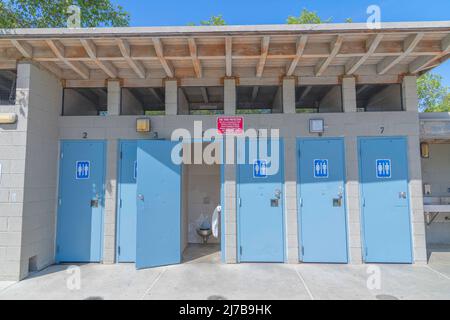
{"type": "Point", "coordinates": [425, 150]}
{"type": "Point", "coordinates": [143, 125]}
{"type": "Point", "coordinates": [8, 118]}
{"type": "Point", "coordinates": [316, 126]}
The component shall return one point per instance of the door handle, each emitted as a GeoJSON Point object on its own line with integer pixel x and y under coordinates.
{"type": "Point", "coordinates": [140, 197]}
{"type": "Point", "coordinates": [278, 194]}
{"type": "Point", "coordinates": [402, 195]}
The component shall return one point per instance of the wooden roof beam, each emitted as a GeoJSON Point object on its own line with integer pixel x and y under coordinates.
{"type": "Point", "coordinates": [265, 42]}
{"type": "Point", "coordinates": [91, 50]}
{"type": "Point", "coordinates": [156, 95]}
{"type": "Point", "coordinates": [371, 46]}
{"type": "Point", "coordinates": [408, 46]}
{"type": "Point", "coordinates": [304, 93]}
{"type": "Point", "coordinates": [194, 55]}
{"type": "Point", "coordinates": [334, 48]}
{"type": "Point", "coordinates": [125, 50]}
{"type": "Point", "coordinates": [59, 51]}
{"type": "Point", "coordinates": [24, 48]}
{"type": "Point", "coordinates": [301, 44]}
{"type": "Point", "coordinates": [255, 93]}
{"type": "Point", "coordinates": [423, 62]}
{"type": "Point", "coordinates": [228, 56]}
{"type": "Point", "coordinates": [160, 53]}
{"type": "Point", "coordinates": [204, 94]}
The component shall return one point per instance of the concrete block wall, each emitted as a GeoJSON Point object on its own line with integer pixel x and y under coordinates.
{"type": "Point", "coordinates": [29, 175]}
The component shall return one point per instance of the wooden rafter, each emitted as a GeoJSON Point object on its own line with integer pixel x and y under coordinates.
{"type": "Point", "coordinates": [255, 93]}
{"type": "Point", "coordinates": [265, 42]}
{"type": "Point", "coordinates": [160, 53]}
{"type": "Point", "coordinates": [229, 56]}
{"type": "Point", "coordinates": [423, 62]}
{"type": "Point", "coordinates": [304, 93]}
{"type": "Point", "coordinates": [194, 55]}
{"type": "Point", "coordinates": [408, 46]}
{"type": "Point", "coordinates": [59, 51]}
{"type": "Point", "coordinates": [156, 95]}
{"type": "Point", "coordinates": [204, 94]}
{"type": "Point", "coordinates": [300, 48]}
{"type": "Point", "coordinates": [371, 46]}
{"type": "Point", "coordinates": [24, 48]}
{"type": "Point", "coordinates": [91, 50]}
{"type": "Point", "coordinates": [334, 48]}
{"type": "Point", "coordinates": [125, 50]}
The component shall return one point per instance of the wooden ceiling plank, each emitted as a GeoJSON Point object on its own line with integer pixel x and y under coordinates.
{"type": "Point", "coordinates": [59, 51]}
{"type": "Point", "coordinates": [91, 50]}
{"type": "Point", "coordinates": [334, 48]}
{"type": "Point", "coordinates": [160, 53]}
{"type": "Point", "coordinates": [422, 63]}
{"type": "Point", "coordinates": [408, 46]}
{"type": "Point", "coordinates": [125, 50]}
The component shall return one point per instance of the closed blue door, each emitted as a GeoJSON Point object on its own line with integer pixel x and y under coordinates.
{"type": "Point", "coordinates": [81, 201]}
{"type": "Point", "coordinates": [127, 211]}
{"type": "Point", "coordinates": [322, 213]}
{"type": "Point", "coordinates": [158, 205]}
{"type": "Point", "coordinates": [385, 200]}
{"type": "Point", "coordinates": [260, 205]}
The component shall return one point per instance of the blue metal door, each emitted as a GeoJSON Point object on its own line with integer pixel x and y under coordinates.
{"type": "Point", "coordinates": [81, 201]}
{"type": "Point", "coordinates": [260, 204]}
{"type": "Point", "coordinates": [385, 200]}
{"type": "Point", "coordinates": [158, 205]}
{"type": "Point", "coordinates": [126, 218]}
{"type": "Point", "coordinates": [322, 213]}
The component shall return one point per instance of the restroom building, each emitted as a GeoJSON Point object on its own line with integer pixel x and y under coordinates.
{"type": "Point", "coordinates": [86, 167]}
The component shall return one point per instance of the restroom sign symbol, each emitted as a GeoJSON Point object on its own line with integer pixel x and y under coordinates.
{"type": "Point", "coordinates": [260, 169]}
{"type": "Point", "coordinates": [83, 170]}
{"type": "Point", "coordinates": [321, 168]}
{"type": "Point", "coordinates": [384, 168]}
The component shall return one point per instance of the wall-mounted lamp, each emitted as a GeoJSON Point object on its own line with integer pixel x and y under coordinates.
{"type": "Point", "coordinates": [316, 126]}
{"type": "Point", "coordinates": [143, 125]}
{"type": "Point", "coordinates": [425, 150]}
{"type": "Point", "coordinates": [8, 118]}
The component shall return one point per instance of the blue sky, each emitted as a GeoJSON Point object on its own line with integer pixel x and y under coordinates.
{"type": "Point", "coordinates": [182, 12]}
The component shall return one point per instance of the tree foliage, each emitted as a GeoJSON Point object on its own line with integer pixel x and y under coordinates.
{"type": "Point", "coordinates": [307, 17]}
{"type": "Point", "coordinates": [212, 21]}
{"type": "Point", "coordinates": [53, 14]}
{"type": "Point", "coordinates": [433, 95]}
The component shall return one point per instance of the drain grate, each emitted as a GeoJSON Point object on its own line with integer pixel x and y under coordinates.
{"type": "Point", "coordinates": [95, 298]}
{"type": "Point", "coordinates": [216, 297]}
{"type": "Point", "coordinates": [386, 297]}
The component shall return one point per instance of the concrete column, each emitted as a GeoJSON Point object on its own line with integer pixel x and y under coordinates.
{"type": "Point", "coordinates": [409, 94]}
{"type": "Point", "coordinates": [416, 200]}
{"type": "Point", "coordinates": [230, 203]}
{"type": "Point", "coordinates": [171, 87]}
{"type": "Point", "coordinates": [109, 234]}
{"type": "Point", "coordinates": [229, 87]}
{"type": "Point", "coordinates": [29, 161]}
{"type": "Point", "coordinates": [290, 198]}
{"type": "Point", "coordinates": [349, 94]}
{"type": "Point", "coordinates": [114, 97]}
{"type": "Point", "coordinates": [352, 200]}
{"type": "Point", "coordinates": [289, 95]}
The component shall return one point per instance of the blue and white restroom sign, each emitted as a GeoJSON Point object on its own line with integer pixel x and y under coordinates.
{"type": "Point", "coordinates": [321, 168]}
{"type": "Point", "coordinates": [384, 168]}
{"type": "Point", "coordinates": [260, 169]}
{"type": "Point", "coordinates": [83, 170]}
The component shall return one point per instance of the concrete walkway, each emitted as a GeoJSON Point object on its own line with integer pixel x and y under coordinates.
{"type": "Point", "coordinates": [205, 280]}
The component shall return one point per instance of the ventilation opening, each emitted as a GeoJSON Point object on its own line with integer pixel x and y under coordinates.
{"type": "Point", "coordinates": [8, 80]}
{"type": "Point", "coordinates": [318, 99]}
{"type": "Point", "coordinates": [201, 100]}
{"type": "Point", "coordinates": [32, 264]}
{"type": "Point", "coordinates": [259, 99]}
{"type": "Point", "coordinates": [143, 101]}
{"type": "Point", "coordinates": [85, 101]}
{"type": "Point", "coordinates": [379, 97]}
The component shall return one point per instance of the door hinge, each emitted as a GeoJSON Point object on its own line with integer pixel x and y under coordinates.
{"type": "Point", "coordinates": [301, 202]}
{"type": "Point", "coordinates": [121, 154]}
{"type": "Point", "coordinates": [59, 201]}
{"type": "Point", "coordinates": [303, 250]}
{"type": "Point", "coordinates": [366, 252]}
{"type": "Point", "coordinates": [57, 249]}
{"type": "Point", "coordinates": [299, 153]}
{"type": "Point", "coordinates": [240, 202]}
{"type": "Point", "coordinates": [62, 155]}
{"type": "Point", "coordinates": [364, 202]}
{"type": "Point", "coordinates": [118, 250]}
{"type": "Point", "coordinates": [120, 203]}
{"type": "Point", "coordinates": [240, 250]}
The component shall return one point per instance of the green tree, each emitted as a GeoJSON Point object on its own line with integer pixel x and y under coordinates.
{"type": "Point", "coordinates": [53, 14]}
{"type": "Point", "coordinates": [307, 17]}
{"type": "Point", "coordinates": [212, 21]}
{"type": "Point", "coordinates": [433, 95]}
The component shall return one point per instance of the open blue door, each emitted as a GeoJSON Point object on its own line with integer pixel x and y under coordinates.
{"type": "Point", "coordinates": [158, 205]}
{"type": "Point", "coordinates": [385, 200]}
{"type": "Point", "coordinates": [126, 218]}
{"type": "Point", "coordinates": [322, 201]}
{"type": "Point", "coordinates": [81, 201]}
{"type": "Point", "coordinates": [260, 204]}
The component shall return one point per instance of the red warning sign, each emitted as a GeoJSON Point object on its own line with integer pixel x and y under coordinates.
{"type": "Point", "coordinates": [230, 125]}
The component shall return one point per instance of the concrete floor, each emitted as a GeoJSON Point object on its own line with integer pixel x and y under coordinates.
{"type": "Point", "coordinates": [201, 278]}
